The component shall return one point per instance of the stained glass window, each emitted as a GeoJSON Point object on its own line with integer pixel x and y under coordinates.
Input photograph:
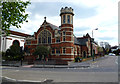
{"type": "Point", "coordinates": [44, 37]}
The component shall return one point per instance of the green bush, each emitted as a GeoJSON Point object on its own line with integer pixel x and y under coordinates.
{"type": "Point", "coordinates": [14, 53]}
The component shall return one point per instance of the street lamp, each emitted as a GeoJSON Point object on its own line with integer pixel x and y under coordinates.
{"type": "Point", "coordinates": [92, 53]}
{"type": "Point", "coordinates": [92, 31]}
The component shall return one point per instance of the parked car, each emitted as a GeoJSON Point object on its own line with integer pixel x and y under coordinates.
{"type": "Point", "coordinates": [111, 54]}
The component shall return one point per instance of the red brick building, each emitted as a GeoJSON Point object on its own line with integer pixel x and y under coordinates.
{"type": "Point", "coordinates": [60, 40]}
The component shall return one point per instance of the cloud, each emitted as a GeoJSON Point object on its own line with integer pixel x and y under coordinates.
{"type": "Point", "coordinates": [81, 29]}
{"type": "Point", "coordinates": [106, 38]}
{"type": "Point", "coordinates": [89, 14]}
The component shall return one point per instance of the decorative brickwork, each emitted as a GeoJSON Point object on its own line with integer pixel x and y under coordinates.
{"type": "Point", "coordinates": [61, 40]}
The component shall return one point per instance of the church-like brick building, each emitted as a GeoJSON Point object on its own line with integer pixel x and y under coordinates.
{"type": "Point", "coordinates": [61, 41]}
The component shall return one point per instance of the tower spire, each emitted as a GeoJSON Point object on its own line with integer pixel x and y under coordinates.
{"type": "Point", "coordinates": [44, 19]}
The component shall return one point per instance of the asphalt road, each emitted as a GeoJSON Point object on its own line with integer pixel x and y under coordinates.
{"type": "Point", "coordinates": [104, 69]}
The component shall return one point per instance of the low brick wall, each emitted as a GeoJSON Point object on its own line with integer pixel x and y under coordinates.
{"type": "Point", "coordinates": [14, 63]}
{"type": "Point", "coordinates": [51, 62]}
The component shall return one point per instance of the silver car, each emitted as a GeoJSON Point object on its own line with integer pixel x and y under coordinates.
{"type": "Point", "coordinates": [111, 54]}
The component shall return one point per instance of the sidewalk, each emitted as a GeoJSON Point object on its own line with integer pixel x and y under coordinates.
{"type": "Point", "coordinates": [84, 64]}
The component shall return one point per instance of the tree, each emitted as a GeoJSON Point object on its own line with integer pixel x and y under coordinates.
{"type": "Point", "coordinates": [118, 52]}
{"type": "Point", "coordinates": [100, 51]}
{"type": "Point", "coordinates": [13, 13]}
{"type": "Point", "coordinates": [41, 51]}
{"type": "Point", "coordinates": [14, 53]}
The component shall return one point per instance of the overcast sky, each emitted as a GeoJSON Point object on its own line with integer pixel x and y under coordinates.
{"type": "Point", "coordinates": [89, 14]}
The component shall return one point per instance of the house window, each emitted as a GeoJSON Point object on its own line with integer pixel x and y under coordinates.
{"type": "Point", "coordinates": [57, 39]}
{"type": "Point", "coordinates": [68, 19]}
{"type": "Point", "coordinates": [28, 42]}
{"type": "Point", "coordinates": [57, 51]}
{"type": "Point", "coordinates": [63, 32]}
{"type": "Point", "coordinates": [63, 50]}
{"type": "Point", "coordinates": [44, 37]}
{"type": "Point", "coordinates": [49, 40]}
{"type": "Point", "coordinates": [63, 18]}
{"type": "Point", "coordinates": [63, 38]}
{"type": "Point", "coordinates": [53, 51]}
{"type": "Point", "coordinates": [71, 19]}
{"type": "Point", "coordinates": [72, 50]}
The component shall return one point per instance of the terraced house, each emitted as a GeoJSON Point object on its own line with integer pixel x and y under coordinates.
{"type": "Point", "coordinates": [61, 41]}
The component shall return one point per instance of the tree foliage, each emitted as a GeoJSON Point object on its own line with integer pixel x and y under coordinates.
{"type": "Point", "coordinates": [13, 13]}
{"type": "Point", "coordinates": [14, 53]}
{"type": "Point", "coordinates": [100, 49]}
{"type": "Point", "coordinates": [41, 51]}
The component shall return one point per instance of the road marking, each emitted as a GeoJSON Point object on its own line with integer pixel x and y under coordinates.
{"type": "Point", "coordinates": [45, 79]}
{"type": "Point", "coordinates": [17, 70]}
{"type": "Point", "coordinates": [116, 61]}
{"type": "Point", "coordinates": [20, 80]}
{"type": "Point", "coordinates": [93, 66]}
{"type": "Point", "coordinates": [9, 78]}
{"type": "Point", "coordinates": [27, 81]}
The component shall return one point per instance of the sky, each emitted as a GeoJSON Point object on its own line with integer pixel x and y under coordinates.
{"type": "Point", "coordinates": [88, 15]}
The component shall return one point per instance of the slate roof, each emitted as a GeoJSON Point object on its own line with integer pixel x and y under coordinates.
{"type": "Point", "coordinates": [51, 25]}
{"type": "Point", "coordinates": [76, 41]}
{"type": "Point", "coordinates": [82, 41]}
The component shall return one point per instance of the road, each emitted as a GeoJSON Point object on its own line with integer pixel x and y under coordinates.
{"type": "Point", "coordinates": [104, 69]}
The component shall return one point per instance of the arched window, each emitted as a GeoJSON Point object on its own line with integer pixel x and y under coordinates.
{"type": "Point", "coordinates": [44, 37]}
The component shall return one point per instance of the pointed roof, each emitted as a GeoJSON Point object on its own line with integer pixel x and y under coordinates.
{"type": "Point", "coordinates": [87, 35]}
{"type": "Point", "coordinates": [54, 27]}
{"type": "Point", "coordinates": [51, 25]}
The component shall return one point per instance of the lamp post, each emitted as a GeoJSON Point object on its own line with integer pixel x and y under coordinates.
{"type": "Point", "coordinates": [92, 31]}
{"type": "Point", "coordinates": [92, 53]}
{"type": "Point", "coordinates": [21, 51]}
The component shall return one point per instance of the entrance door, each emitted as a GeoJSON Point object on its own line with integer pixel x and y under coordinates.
{"type": "Point", "coordinates": [84, 54]}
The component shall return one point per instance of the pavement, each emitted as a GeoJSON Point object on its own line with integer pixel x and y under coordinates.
{"type": "Point", "coordinates": [83, 64]}
{"type": "Point", "coordinates": [74, 72]}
